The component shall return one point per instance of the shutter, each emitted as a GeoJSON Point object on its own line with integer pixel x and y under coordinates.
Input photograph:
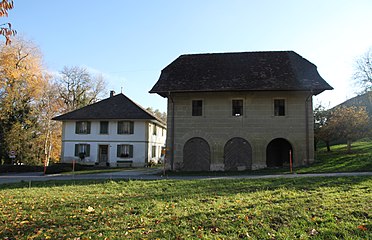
{"type": "Point", "coordinates": [76, 150]}
{"type": "Point", "coordinates": [88, 150]}
{"type": "Point", "coordinates": [131, 151]}
{"type": "Point", "coordinates": [76, 127]}
{"type": "Point", "coordinates": [131, 127]}
{"type": "Point", "coordinates": [88, 127]}
{"type": "Point", "coordinates": [118, 151]}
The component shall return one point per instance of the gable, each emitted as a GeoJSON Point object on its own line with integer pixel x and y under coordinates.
{"type": "Point", "coordinates": [245, 71]}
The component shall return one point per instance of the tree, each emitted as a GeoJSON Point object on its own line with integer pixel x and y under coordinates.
{"type": "Point", "coordinates": [78, 88]}
{"type": "Point", "coordinates": [321, 129]}
{"type": "Point", "coordinates": [50, 131]}
{"type": "Point", "coordinates": [21, 78]}
{"type": "Point", "coordinates": [6, 28]}
{"type": "Point", "coordinates": [161, 115]}
{"type": "Point", "coordinates": [349, 123]}
{"type": "Point", "coordinates": [363, 71]}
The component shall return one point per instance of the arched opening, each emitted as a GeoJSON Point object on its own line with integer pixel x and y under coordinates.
{"type": "Point", "coordinates": [196, 155]}
{"type": "Point", "coordinates": [237, 155]}
{"type": "Point", "coordinates": [277, 152]}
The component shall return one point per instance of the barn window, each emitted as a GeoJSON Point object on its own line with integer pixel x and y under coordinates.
{"type": "Point", "coordinates": [197, 107]}
{"type": "Point", "coordinates": [237, 108]}
{"type": "Point", "coordinates": [279, 107]}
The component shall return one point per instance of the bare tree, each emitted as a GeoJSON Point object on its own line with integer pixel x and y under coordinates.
{"type": "Point", "coordinates": [363, 71]}
{"type": "Point", "coordinates": [78, 88]}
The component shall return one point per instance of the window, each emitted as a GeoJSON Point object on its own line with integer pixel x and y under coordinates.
{"type": "Point", "coordinates": [125, 151]}
{"type": "Point", "coordinates": [82, 127]}
{"type": "Point", "coordinates": [103, 127]}
{"type": "Point", "coordinates": [279, 107]}
{"type": "Point", "coordinates": [153, 152]}
{"type": "Point", "coordinates": [197, 107]}
{"type": "Point", "coordinates": [82, 150]}
{"type": "Point", "coordinates": [154, 128]}
{"type": "Point", "coordinates": [125, 127]}
{"type": "Point", "coordinates": [237, 108]}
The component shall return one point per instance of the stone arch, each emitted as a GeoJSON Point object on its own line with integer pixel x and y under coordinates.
{"type": "Point", "coordinates": [277, 152]}
{"type": "Point", "coordinates": [237, 154]}
{"type": "Point", "coordinates": [196, 155]}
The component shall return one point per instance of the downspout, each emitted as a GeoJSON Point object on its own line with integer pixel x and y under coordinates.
{"type": "Point", "coordinates": [307, 134]}
{"type": "Point", "coordinates": [172, 133]}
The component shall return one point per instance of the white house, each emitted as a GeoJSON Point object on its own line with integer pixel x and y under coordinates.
{"type": "Point", "coordinates": [112, 132]}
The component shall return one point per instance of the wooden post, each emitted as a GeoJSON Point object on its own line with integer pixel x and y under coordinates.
{"type": "Point", "coordinates": [290, 160]}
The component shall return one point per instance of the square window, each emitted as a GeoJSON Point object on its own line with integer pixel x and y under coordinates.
{"type": "Point", "coordinates": [237, 108]}
{"type": "Point", "coordinates": [125, 151]}
{"type": "Point", "coordinates": [197, 107]}
{"type": "Point", "coordinates": [125, 127]}
{"type": "Point", "coordinates": [279, 107]}
{"type": "Point", "coordinates": [82, 150]}
{"type": "Point", "coordinates": [103, 127]}
{"type": "Point", "coordinates": [82, 127]}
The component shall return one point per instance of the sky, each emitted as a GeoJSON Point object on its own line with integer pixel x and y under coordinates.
{"type": "Point", "coordinates": [129, 42]}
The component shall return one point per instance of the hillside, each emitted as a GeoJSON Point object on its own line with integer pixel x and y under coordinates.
{"type": "Point", "coordinates": [363, 100]}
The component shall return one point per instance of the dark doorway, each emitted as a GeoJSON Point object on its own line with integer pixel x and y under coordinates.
{"type": "Point", "coordinates": [277, 152]}
{"type": "Point", "coordinates": [237, 155]}
{"type": "Point", "coordinates": [196, 155]}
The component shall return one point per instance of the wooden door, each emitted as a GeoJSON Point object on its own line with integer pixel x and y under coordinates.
{"type": "Point", "coordinates": [237, 155]}
{"type": "Point", "coordinates": [103, 154]}
{"type": "Point", "coordinates": [196, 155]}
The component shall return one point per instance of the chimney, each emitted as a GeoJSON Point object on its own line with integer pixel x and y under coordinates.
{"type": "Point", "coordinates": [112, 93]}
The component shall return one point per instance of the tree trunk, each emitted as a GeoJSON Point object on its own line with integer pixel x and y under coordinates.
{"type": "Point", "coordinates": [348, 146]}
{"type": "Point", "coordinates": [328, 146]}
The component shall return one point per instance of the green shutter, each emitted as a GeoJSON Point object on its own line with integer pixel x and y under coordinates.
{"type": "Point", "coordinates": [88, 150]}
{"type": "Point", "coordinates": [118, 151]}
{"type": "Point", "coordinates": [76, 150]}
{"type": "Point", "coordinates": [131, 151]}
{"type": "Point", "coordinates": [77, 127]}
{"type": "Point", "coordinates": [88, 127]}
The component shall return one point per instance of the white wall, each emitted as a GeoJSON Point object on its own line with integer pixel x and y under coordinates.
{"type": "Point", "coordinates": [157, 140]}
{"type": "Point", "coordinates": [142, 143]}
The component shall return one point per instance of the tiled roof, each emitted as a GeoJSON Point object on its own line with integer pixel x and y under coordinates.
{"type": "Point", "coordinates": [243, 71]}
{"type": "Point", "coordinates": [115, 107]}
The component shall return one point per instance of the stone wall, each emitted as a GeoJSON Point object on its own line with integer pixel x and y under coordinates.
{"type": "Point", "coordinates": [257, 125]}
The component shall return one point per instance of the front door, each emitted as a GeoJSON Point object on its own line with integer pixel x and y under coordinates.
{"type": "Point", "coordinates": [103, 154]}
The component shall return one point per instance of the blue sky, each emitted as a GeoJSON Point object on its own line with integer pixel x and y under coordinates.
{"type": "Point", "coordinates": [130, 42]}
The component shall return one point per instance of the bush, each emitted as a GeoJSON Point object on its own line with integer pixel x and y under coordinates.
{"type": "Point", "coordinates": [8, 168]}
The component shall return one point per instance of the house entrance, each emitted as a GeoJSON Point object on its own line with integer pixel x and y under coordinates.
{"type": "Point", "coordinates": [277, 152]}
{"type": "Point", "coordinates": [196, 155]}
{"type": "Point", "coordinates": [103, 155]}
{"type": "Point", "coordinates": [237, 155]}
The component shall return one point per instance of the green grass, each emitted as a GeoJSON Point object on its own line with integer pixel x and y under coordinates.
{"type": "Point", "coordinates": [302, 208]}
{"type": "Point", "coordinates": [339, 160]}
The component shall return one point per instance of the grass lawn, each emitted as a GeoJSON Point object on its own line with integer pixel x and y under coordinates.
{"type": "Point", "coordinates": [338, 160]}
{"type": "Point", "coordinates": [303, 208]}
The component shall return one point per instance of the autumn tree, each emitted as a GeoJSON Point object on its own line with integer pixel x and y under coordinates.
{"type": "Point", "coordinates": [363, 71]}
{"type": "Point", "coordinates": [6, 28]}
{"type": "Point", "coordinates": [48, 107]}
{"type": "Point", "coordinates": [78, 88]}
{"type": "Point", "coordinates": [349, 123]}
{"type": "Point", "coordinates": [21, 76]}
{"type": "Point", "coordinates": [322, 132]}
